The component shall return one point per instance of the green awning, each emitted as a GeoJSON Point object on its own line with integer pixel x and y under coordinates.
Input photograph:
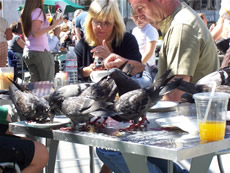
{"type": "Point", "coordinates": [70, 6]}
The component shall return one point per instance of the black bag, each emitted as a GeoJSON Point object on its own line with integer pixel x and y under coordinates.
{"type": "Point", "coordinates": [223, 45]}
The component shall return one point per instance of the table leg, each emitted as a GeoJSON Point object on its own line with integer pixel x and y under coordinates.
{"type": "Point", "coordinates": [201, 163]}
{"type": "Point", "coordinates": [136, 163]}
{"type": "Point", "coordinates": [52, 146]}
{"type": "Point", "coordinates": [170, 166]}
{"type": "Point", "coordinates": [91, 161]}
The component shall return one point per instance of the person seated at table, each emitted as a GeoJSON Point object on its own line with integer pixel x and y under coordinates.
{"type": "Point", "coordinates": [67, 22]}
{"type": "Point", "coordinates": [105, 33]}
{"type": "Point", "coordinates": [65, 36]}
{"type": "Point", "coordinates": [15, 50]}
{"type": "Point", "coordinates": [17, 43]}
{"type": "Point", "coordinates": [54, 39]}
{"type": "Point", "coordinates": [31, 156]}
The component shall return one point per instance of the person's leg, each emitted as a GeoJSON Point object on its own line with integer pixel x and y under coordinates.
{"type": "Point", "coordinates": [115, 161]}
{"type": "Point", "coordinates": [145, 80]}
{"type": "Point", "coordinates": [31, 61]}
{"type": "Point", "coordinates": [40, 159]}
{"type": "Point", "coordinates": [162, 165]}
{"type": "Point", "coordinates": [112, 160]}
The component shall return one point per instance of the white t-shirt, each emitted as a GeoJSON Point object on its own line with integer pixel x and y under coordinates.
{"type": "Point", "coordinates": [143, 35]}
{"type": "Point", "coordinates": [54, 43]}
{"type": "Point", "coordinates": [225, 12]}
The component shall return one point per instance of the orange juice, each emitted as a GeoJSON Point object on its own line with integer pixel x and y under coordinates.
{"type": "Point", "coordinates": [212, 130]}
{"type": "Point", "coordinates": [4, 82]}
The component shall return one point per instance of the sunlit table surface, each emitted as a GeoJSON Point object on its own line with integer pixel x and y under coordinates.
{"type": "Point", "coordinates": [173, 144]}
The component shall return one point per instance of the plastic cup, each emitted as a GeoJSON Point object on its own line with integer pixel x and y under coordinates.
{"type": "Point", "coordinates": [50, 18]}
{"type": "Point", "coordinates": [212, 127]}
{"type": "Point", "coordinates": [4, 73]}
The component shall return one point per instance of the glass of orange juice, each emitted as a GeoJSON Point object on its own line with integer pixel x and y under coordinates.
{"type": "Point", "coordinates": [5, 73]}
{"type": "Point", "coordinates": [212, 121]}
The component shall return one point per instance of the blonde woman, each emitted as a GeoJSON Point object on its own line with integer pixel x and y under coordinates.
{"type": "Point", "coordinates": [5, 34]}
{"type": "Point", "coordinates": [105, 33]}
{"type": "Point", "coordinates": [36, 53]}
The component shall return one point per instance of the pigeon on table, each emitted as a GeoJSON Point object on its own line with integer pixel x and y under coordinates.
{"type": "Point", "coordinates": [96, 100]}
{"type": "Point", "coordinates": [103, 90]}
{"type": "Point", "coordinates": [29, 106]}
{"type": "Point", "coordinates": [220, 78]}
{"type": "Point", "coordinates": [81, 109]}
{"type": "Point", "coordinates": [123, 82]}
{"type": "Point", "coordinates": [134, 104]}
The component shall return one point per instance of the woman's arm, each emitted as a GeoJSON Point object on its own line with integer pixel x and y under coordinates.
{"type": "Point", "coordinates": [36, 31]}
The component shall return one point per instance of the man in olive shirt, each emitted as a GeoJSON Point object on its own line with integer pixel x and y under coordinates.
{"type": "Point", "coordinates": [188, 47]}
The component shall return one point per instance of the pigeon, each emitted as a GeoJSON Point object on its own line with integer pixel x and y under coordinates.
{"type": "Point", "coordinates": [220, 78]}
{"type": "Point", "coordinates": [190, 89]}
{"type": "Point", "coordinates": [103, 90]}
{"type": "Point", "coordinates": [28, 105]}
{"type": "Point", "coordinates": [134, 104]}
{"type": "Point", "coordinates": [81, 109]}
{"type": "Point", "coordinates": [123, 82]}
{"type": "Point", "coordinates": [56, 98]}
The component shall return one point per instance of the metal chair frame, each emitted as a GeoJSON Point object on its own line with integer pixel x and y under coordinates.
{"type": "Point", "coordinates": [10, 165]}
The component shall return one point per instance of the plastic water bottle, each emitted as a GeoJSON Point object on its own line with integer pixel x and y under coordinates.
{"type": "Point", "coordinates": [71, 66]}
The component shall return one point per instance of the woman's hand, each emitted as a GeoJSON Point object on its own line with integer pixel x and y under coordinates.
{"type": "Point", "coordinates": [101, 51]}
{"type": "Point", "coordinates": [56, 22]}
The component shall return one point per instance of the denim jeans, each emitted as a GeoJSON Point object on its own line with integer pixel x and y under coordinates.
{"type": "Point", "coordinates": [115, 161]}
{"type": "Point", "coordinates": [145, 80]}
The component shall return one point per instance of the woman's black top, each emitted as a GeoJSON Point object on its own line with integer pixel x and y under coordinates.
{"type": "Point", "coordinates": [128, 49]}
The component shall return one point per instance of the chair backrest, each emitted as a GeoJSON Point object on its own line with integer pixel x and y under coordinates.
{"type": "Point", "coordinates": [17, 62]}
{"type": "Point", "coordinates": [12, 60]}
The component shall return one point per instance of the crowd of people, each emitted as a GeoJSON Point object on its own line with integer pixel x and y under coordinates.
{"type": "Point", "coordinates": [188, 49]}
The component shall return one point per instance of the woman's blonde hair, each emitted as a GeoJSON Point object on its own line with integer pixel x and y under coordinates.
{"type": "Point", "coordinates": [104, 10]}
{"type": "Point", "coordinates": [26, 21]}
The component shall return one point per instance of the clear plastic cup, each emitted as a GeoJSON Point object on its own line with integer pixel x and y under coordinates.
{"type": "Point", "coordinates": [212, 124]}
{"type": "Point", "coordinates": [4, 73]}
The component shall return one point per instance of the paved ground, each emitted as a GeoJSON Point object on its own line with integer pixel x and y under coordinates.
{"type": "Point", "coordinates": [74, 158]}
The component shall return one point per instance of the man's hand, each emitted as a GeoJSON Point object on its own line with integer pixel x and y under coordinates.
{"type": "Point", "coordinates": [114, 61]}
